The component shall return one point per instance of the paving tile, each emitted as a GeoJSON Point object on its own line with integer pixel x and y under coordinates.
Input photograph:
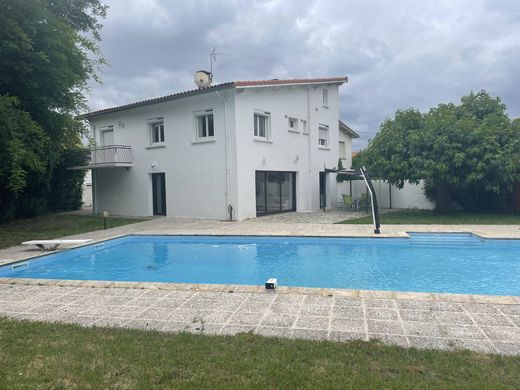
{"type": "Point", "coordinates": [145, 324]}
{"type": "Point", "coordinates": [180, 315]}
{"type": "Point", "coordinates": [284, 308]}
{"type": "Point", "coordinates": [509, 309]}
{"type": "Point", "coordinates": [273, 331]}
{"type": "Point", "coordinates": [461, 332]}
{"type": "Point", "coordinates": [377, 313]}
{"type": "Point", "coordinates": [215, 317]}
{"type": "Point", "coordinates": [347, 312]}
{"type": "Point", "coordinates": [171, 303]}
{"type": "Point", "coordinates": [505, 334]}
{"type": "Point", "coordinates": [428, 305]}
{"type": "Point", "coordinates": [506, 348]}
{"type": "Point", "coordinates": [45, 308]}
{"type": "Point", "coordinates": [279, 320]}
{"type": "Point", "coordinates": [142, 302]}
{"type": "Point", "coordinates": [180, 294]}
{"type": "Point", "coordinates": [491, 319]}
{"type": "Point", "coordinates": [315, 310]}
{"type": "Point", "coordinates": [400, 341]}
{"type": "Point", "coordinates": [514, 319]}
{"type": "Point", "coordinates": [387, 327]}
{"type": "Point", "coordinates": [155, 294]}
{"type": "Point", "coordinates": [312, 322]}
{"type": "Point", "coordinates": [174, 326]}
{"type": "Point", "coordinates": [266, 298]}
{"type": "Point", "coordinates": [382, 303]}
{"type": "Point", "coordinates": [198, 304]}
{"type": "Point", "coordinates": [479, 308]}
{"type": "Point", "coordinates": [253, 307]}
{"type": "Point", "coordinates": [245, 318]}
{"type": "Point", "coordinates": [346, 336]}
{"type": "Point", "coordinates": [422, 329]}
{"type": "Point", "coordinates": [309, 334]}
{"type": "Point", "coordinates": [430, 343]}
{"type": "Point", "coordinates": [122, 311]}
{"type": "Point", "coordinates": [344, 301]}
{"type": "Point", "coordinates": [289, 299]}
{"type": "Point", "coordinates": [450, 317]}
{"type": "Point", "coordinates": [348, 325]}
{"type": "Point", "coordinates": [109, 322]}
{"type": "Point", "coordinates": [318, 300]}
{"type": "Point", "coordinates": [235, 329]}
{"type": "Point", "coordinates": [159, 314]}
{"type": "Point", "coordinates": [417, 315]}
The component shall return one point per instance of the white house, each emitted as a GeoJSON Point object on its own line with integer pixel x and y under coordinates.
{"type": "Point", "coordinates": [235, 150]}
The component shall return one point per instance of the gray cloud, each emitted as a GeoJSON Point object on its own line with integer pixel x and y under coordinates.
{"type": "Point", "coordinates": [396, 54]}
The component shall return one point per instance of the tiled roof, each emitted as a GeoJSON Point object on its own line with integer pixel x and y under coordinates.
{"type": "Point", "coordinates": [232, 84]}
{"type": "Point", "coordinates": [259, 83]}
{"type": "Point", "coordinates": [343, 126]}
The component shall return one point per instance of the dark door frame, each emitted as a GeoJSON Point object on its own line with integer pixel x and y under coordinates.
{"type": "Point", "coordinates": [293, 208]}
{"type": "Point", "coordinates": [162, 178]}
{"type": "Point", "coordinates": [323, 190]}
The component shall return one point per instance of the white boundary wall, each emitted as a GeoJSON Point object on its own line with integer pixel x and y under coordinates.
{"type": "Point", "coordinates": [411, 196]}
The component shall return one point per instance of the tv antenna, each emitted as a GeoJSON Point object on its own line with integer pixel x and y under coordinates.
{"type": "Point", "coordinates": [213, 58]}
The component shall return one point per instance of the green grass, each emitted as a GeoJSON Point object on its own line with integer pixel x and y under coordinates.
{"type": "Point", "coordinates": [51, 226]}
{"type": "Point", "coordinates": [426, 217]}
{"type": "Point", "coordinates": [38, 355]}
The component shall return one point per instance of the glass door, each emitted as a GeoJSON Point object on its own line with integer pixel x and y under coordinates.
{"type": "Point", "coordinates": [159, 193]}
{"type": "Point", "coordinates": [275, 192]}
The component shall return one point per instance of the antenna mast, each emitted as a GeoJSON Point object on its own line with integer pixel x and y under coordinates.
{"type": "Point", "coordinates": [213, 58]}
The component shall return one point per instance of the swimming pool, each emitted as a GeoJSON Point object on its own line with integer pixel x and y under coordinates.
{"type": "Point", "coordinates": [452, 263]}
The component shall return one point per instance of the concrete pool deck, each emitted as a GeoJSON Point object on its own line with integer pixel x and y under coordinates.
{"type": "Point", "coordinates": [488, 324]}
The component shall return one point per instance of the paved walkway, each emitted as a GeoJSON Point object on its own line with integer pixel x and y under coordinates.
{"type": "Point", "coordinates": [329, 216]}
{"type": "Point", "coordinates": [489, 328]}
{"type": "Point", "coordinates": [481, 323]}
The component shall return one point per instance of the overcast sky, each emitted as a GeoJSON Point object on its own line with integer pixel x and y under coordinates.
{"type": "Point", "coordinates": [396, 54]}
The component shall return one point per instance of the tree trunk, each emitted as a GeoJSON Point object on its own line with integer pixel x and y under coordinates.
{"type": "Point", "coordinates": [442, 198]}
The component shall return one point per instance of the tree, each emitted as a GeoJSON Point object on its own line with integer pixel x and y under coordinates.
{"type": "Point", "coordinates": [468, 152]}
{"type": "Point", "coordinates": [49, 50]}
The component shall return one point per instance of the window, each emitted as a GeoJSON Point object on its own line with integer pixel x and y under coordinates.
{"type": "Point", "coordinates": [205, 125]}
{"type": "Point", "coordinates": [156, 127]}
{"type": "Point", "coordinates": [262, 125]}
{"type": "Point", "coordinates": [342, 150]}
{"type": "Point", "coordinates": [323, 140]}
{"type": "Point", "coordinates": [325, 97]}
{"type": "Point", "coordinates": [305, 129]}
{"type": "Point", "coordinates": [293, 124]}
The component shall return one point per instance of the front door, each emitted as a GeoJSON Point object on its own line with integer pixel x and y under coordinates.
{"type": "Point", "coordinates": [323, 190]}
{"type": "Point", "coordinates": [159, 193]}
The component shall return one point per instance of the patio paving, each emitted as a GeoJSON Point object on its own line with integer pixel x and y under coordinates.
{"type": "Point", "coordinates": [489, 328]}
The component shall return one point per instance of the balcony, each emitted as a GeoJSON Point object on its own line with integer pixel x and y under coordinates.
{"type": "Point", "coordinates": [110, 156]}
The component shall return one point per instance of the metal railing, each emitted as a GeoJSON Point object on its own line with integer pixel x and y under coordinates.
{"type": "Point", "coordinates": [111, 154]}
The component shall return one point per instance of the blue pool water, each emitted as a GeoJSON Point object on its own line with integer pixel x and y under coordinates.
{"type": "Point", "coordinates": [455, 263]}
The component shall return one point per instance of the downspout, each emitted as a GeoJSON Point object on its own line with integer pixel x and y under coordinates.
{"type": "Point", "coordinates": [229, 208]}
{"type": "Point", "coordinates": [309, 144]}
{"type": "Point", "coordinates": [93, 175]}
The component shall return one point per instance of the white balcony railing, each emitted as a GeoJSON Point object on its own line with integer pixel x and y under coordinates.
{"type": "Point", "coordinates": [111, 155]}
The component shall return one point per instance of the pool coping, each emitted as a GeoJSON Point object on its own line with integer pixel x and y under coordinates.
{"type": "Point", "coordinates": [230, 288]}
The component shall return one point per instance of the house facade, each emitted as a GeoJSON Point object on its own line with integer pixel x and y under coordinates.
{"type": "Point", "coordinates": [230, 151]}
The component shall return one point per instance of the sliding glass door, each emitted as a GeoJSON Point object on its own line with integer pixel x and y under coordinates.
{"type": "Point", "coordinates": [275, 192]}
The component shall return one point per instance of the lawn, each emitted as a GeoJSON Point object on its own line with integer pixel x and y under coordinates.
{"type": "Point", "coordinates": [38, 355]}
{"type": "Point", "coordinates": [427, 217]}
{"type": "Point", "coordinates": [50, 226]}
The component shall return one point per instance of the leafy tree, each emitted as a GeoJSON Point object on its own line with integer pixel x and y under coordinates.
{"type": "Point", "coordinates": [468, 152]}
{"type": "Point", "coordinates": [48, 50]}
